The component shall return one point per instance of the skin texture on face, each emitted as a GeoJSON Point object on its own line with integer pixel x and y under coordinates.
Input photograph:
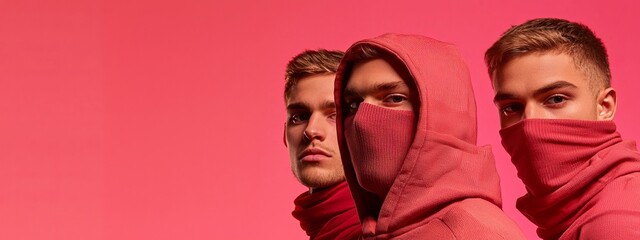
{"type": "Point", "coordinates": [548, 86]}
{"type": "Point", "coordinates": [311, 132]}
{"type": "Point", "coordinates": [377, 83]}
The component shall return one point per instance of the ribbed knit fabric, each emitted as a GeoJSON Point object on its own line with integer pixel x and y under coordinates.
{"type": "Point", "coordinates": [446, 187]}
{"type": "Point", "coordinates": [328, 213]}
{"type": "Point", "coordinates": [582, 179]}
{"type": "Point", "coordinates": [369, 134]}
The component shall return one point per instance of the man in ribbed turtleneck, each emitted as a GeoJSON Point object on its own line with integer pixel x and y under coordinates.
{"type": "Point", "coordinates": [551, 80]}
{"type": "Point", "coordinates": [327, 210]}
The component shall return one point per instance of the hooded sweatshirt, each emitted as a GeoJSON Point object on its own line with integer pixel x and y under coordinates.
{"type": "Point", "coordinates": [582, 179]}
{"type": "Point", "coordinates": [328, 213]}
{"type": "Point", "coordinates": [446, 186]}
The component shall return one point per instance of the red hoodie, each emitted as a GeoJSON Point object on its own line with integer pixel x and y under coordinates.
{"type": "Point", "coordinates": [328, 213]}
{"type": "Point", "coordinates": [582, 179]}
{"type": "Point", "coordinates": [447, 186]}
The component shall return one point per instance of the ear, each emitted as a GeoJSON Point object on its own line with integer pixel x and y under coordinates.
{"type": "Point", "coordinates": [606, 104]}
{"type": "Point", "coordinates": [284, 135]}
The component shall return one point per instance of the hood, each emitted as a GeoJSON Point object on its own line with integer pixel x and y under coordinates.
{"type": "Point", "coordinates": [443, 164]}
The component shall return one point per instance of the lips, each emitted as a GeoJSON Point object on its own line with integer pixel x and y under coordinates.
{"type": "Point", "coordinates": [313, 155]}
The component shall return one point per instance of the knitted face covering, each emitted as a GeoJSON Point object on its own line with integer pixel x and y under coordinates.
{"type": "Point", "coordinates": [378, 140]}
{"type": "Point", "coordinates": [548, 153]}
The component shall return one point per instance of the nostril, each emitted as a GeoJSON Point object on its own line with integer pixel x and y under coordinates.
{"type": "Point", "coordinates": [306, 136]}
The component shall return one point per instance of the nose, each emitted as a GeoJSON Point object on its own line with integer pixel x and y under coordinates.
{"type": "Point", "coordinates": [315, 128]}
{"type": "Point", "coordinates": [532, 111]}
{"type": "Point", "coordinates": [369, 100]}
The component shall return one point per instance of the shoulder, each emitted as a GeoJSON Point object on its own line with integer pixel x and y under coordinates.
{"type": "Point", "coordinates": [613, 225]}
{"type": "Point", "coordinates": [623, 192]}
{"type": "Point", "coordinates": [479, 219]}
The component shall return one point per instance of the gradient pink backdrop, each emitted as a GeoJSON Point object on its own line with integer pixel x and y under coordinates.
{"type": "Point", "coordinates": [164, 119]}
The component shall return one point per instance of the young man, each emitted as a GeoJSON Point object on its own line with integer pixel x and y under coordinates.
{"type": "Point", "coordinates": [407, 134]}
{"type": "Point", "coordinates": [552, 88]}
{"type": "Point", "coordinates": [327, 210]}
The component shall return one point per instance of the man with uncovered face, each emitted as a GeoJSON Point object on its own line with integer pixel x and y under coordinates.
{"type": "Point", "coordinates": [327, 210]}
{"type": "Point", "coordinates": [552, 88]}
{"type": "Point", "coordinates": [407, 134]}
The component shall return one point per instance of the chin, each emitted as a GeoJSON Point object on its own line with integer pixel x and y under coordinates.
{"type": "Point", "coordinates": [319, 178]}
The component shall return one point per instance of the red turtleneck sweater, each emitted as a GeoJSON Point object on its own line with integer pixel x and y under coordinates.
{"type": "Point", "coordinates": [582, 179]}
{"type": "Point", "coordinates": [328, 213]}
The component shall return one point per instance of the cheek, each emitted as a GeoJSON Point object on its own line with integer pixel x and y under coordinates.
{"type": "Point", "coordinates": [292, 136]}
{"type": "Point", "coordinates": [579, 110]}
{"type": "Point", "coordinates": [589, 112]}
{"type": "Point", "coordinates": [408, 106]}
{"type": "Point", "coordinates": [332, 132]}
{"type": "Point", "coordinates": [504, 122]}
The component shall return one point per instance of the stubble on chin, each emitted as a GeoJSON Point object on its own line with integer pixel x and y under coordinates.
{"type": "Point", "coordinates": [320, 178]}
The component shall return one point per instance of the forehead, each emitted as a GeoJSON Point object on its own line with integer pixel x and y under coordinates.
{"type": "Point", "coordinates": [529, 72]}
{"type": "Point", "coordinates": [312, 90]}
{"type": "Point", "coordinates": [372, 72]}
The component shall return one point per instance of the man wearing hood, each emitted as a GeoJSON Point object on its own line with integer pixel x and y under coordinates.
{"type": "Point", "coordinates": [551, 80]}
{"type": "Point", "coordinates": [327, 210]}
{"type": "Point", "coordinates": [407, 135]}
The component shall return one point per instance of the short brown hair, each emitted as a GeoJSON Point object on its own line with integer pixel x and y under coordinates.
{"type": "Point", "coordinates": [553, 35]}
{"type": "Point", "coordinates": [308, 63]}
{"type": "Point", "coordinates": [363, 53]}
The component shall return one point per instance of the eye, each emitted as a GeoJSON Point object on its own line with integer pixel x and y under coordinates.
{"type": "Point", "coordinates": [556, 100]}
{"type": "Point", "coordinates": [395, 98]}
{"type": "Point", "coordinates": [298, 118]}
{"type": "Point", "coordinates": [353, 106]}
{"type": "Point", "coordinates": [511, 109]}
{"type": "Point", "coordinates": [332, 116]}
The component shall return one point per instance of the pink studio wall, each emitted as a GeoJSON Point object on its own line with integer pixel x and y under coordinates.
{"type": "Point", "coordinates": [164, 119]}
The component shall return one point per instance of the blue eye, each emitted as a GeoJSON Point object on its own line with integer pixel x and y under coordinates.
{"type": "Point", "coordinates": [557, 99]}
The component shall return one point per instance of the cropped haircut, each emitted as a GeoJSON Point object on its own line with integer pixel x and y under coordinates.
{"type": "Point", "coordinates": [552, 35]}
{"type": "Point", "coordinates": [310, 62]}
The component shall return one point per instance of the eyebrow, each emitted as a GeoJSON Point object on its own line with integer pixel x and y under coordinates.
{"type": "Point", "coordinates": [553, 86]}
{"type": "Point", "coordinates": [349, 92]}
{"type": "Point", "coordinates": [305, 106]}
{"type": "Point", "coordinates": [540, 91]}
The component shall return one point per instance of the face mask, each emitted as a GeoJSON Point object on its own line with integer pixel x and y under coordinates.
{"type": "Point", "coordinates": [549, 152]}
{"type": "Point", "coordinates": [378, 140]}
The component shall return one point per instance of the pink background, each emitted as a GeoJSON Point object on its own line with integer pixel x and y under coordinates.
{"type": "Point", "coordinates": [164, 119]}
